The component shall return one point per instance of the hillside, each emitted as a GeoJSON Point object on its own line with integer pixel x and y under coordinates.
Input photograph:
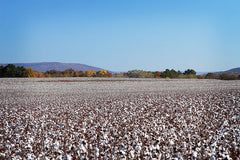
{"type": "Point", "coordinates": [235, 71]}
{"type": "Point", "coordinates": [46, 66]}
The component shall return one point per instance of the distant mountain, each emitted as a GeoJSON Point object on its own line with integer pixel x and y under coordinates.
{"type": "Point", "coordinates": [235, 71]}
{"type": "Point", "coordinates": [46, 66]}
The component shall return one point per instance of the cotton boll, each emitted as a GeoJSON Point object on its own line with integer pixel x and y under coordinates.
{"type": "Point", "coordinates": [171, 142]}
{"type": "Point", "coordinates": [195, 154]}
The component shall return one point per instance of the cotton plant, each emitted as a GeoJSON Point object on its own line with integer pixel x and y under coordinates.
{"type": "Point", "coordinates": [132, 119]}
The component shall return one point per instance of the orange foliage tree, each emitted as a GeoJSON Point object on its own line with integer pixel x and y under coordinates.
{"type": "Point", "coordinates": [30, 72]}
{"type": "Point", "coordinates": [102, 73]}
{"type": "Point", "coordinates": [90, 73]}
{"type": "Point", "coordinates": [39, 74]}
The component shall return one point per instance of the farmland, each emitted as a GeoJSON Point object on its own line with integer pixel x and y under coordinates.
{"type": "Point", "coordinates": [119, 118]}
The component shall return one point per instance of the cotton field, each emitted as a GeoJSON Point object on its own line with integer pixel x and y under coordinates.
{"type": "Point", "coordinates": [110, 118]}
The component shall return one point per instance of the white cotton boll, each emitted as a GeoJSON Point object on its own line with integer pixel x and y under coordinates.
{"type": "Point", "coordinates": [198, 149]}
{"type": "Point", "coordinates": [30, 140]}
{"type": "Point", "coordinates": [69, 157]}
{"type": "Point", "coordinates": [234, 118]}
{"type": "Point", "coordinates": [153, 148]}
{"type": "Point", "coordinates": [105, 136]}
{"type": "Point", "coordinates": [228, 157]}
{"type": "Point", "coordinates": [30, 147]}
{"type": "Point", "coordinates": [84, 150]}
{"type": "Point", "coordinates": [171, 142]}
{"type": "Point", "coordinates": [199, 144]}
{"type": "Point", "coordinates": [157, 147]}
{"type": "Point", "coordinates": [195, 154]}
{"type": "Point", "coordinates": [225, 123]}
{"type": "Point", "coordinates": [163, 126]}
{"type": "Point", "coordinates": [132, 153]}
{"type": "Point", "coordinates": [213, 157]}
{"type": "Point", "coordinates": [138, 148]}
{"type": "Point", "coordinates": [59, 157]}
{"type": "Point", "coordinates": [30, 156]}
{"type": "Point", "coordinates": [122, 152]}
{"type": "Point", "coordinates": [97, 152]}
{"type": "Point", "coordinates": [46, 158]}
{"type": "Point", "coordinates": [184, 145]}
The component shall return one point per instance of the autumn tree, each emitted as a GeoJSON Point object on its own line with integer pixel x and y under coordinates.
{"type": "Point", "coordinates": [53, 73]}
{"type": "Point", "coordinates": [109, 74]}
{"type": "Point", "coordinates": [157, 74]}
{"type": "Point", "coordinates": [89, 73]}
{"type": "Point", "coordinates": [68, 72]}
{"type": "Point", "coordinates": [30, 72]}
{"type": "Point", "coordinates": [123, 74]}
{"type": "Point", "coordinates": [80, 73]}
{"type": "Point", "coordinates": [39, 74]}
{"type": "Point", "coordinates": [211, 76]}
{"type": "Point", "coordinates": [225, 76]}
{"type": "Point", "coordinates": [102, 73]}
{"type": "Point", "coordinates": [47, 75]}
{"type": "Point", "coordinates": [200, 77]}
{"type": "Point", "coordinates": [76, 74]}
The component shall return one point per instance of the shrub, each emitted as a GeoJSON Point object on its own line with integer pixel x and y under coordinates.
{"type": "Point", "coordinates": [211, 76]}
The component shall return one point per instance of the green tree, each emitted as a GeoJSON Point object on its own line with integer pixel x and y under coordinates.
{"type": "Point", "coordinates": [1, 71]}
{"type": "Point", "coordinates": [135, 74]}
{"type": "Point", "coordinates": [12, 71]}
{"type": "Point", "coordinates": [21, 72]}
{"type": "Point", "coordinates": [139, 74]}
{"type": "Point", "coordinates": [170, 73]}
{"type": "Point", "coordinates": [189, 71]}
{"type": "Point", "coordinates": [166, 73]}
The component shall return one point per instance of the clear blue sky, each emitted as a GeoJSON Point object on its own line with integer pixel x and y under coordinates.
{"type": "Point", "coordinates": [121, 35]}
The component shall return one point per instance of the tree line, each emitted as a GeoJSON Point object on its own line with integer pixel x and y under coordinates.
{"type": "Point", "coordinates": [189, 73]}
{"type": "Point", "coordinates": [12, 71]}
{"type": "Point", "coordinates": [72, 73]}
